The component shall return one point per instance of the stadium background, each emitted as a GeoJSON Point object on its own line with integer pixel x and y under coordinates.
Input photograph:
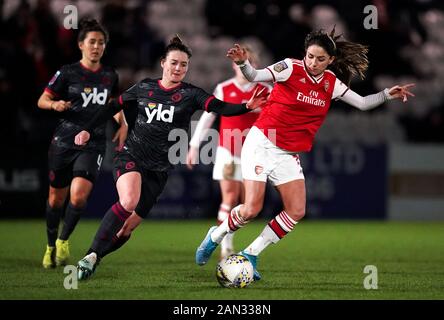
{"type": "Point", "coordinates": [385, 163]}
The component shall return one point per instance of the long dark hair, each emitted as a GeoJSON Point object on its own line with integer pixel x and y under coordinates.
{"type": "Point", "coordinates": [350, 57]}
{"type": "Point", "coordinates": [177, 44]}
{"type": "Point", "coordinates": [91, 25]}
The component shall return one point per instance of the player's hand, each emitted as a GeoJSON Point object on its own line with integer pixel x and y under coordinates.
{"type": "Point", "coordinates": [401, 92]}
{"type": "Point", "coordinates": [237, 54]}
{"type": "Point", "coordinates": [192, 157]}
{"type": "Point", "coordinates": [60, 105]}
{"type": "Point", "coordinates": [120, 136]}
{"type": "Point", "coordinates": [258, 99]}
{"type": "Point", "coordinates": [130, 224]}
{"type": "Point", "coordinates": [82, 138]}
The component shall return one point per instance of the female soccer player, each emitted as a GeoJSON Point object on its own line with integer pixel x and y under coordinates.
{"type": "Point", "coordinates": [232, 133]}
{"type": "Point", "coordinates": [141, 167]}
{"type": "Point", "coordinates": [297, 106]}
{"type": "Point", "coordinates": [77, 91]}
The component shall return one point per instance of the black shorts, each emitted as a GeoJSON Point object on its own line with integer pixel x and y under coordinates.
{"type": "Point", "coordinates": [153, 182]}
{"type": "Point", "coordinates": [65, 164]}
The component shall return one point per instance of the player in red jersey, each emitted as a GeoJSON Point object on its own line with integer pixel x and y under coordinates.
{"type": "Point", "coordinates": [232, 133]}
{"type": "Point", "coordinates": [77, 92]}
{"type": "Point", "coordinates": [294, 112]}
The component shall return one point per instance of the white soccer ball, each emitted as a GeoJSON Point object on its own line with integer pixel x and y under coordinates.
{"type": "Point", "coordinates": [235, 271]}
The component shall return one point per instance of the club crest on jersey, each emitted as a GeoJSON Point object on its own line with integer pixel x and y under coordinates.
{"type": "Point", "coordinates": [95, 96]}
{"type": "Point", "coordinates": [280, 66]}
{"type": "Point", "coordinates": [176, 97]}
{"type": "Point", "coordinates": [326, 85]}
{"type": "Point", "coordinates": [160, 114]}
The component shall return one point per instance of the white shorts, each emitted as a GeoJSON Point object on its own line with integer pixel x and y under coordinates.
{"type": "Point", "coordinates": [262, 160]}
{"type": "Point", "coordinates": [226, 166]}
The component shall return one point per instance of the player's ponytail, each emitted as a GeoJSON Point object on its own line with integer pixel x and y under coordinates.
{"type": "Point", "coordinates": [91, 25]}
{"type": "Point", "coordinates": [177, 44]}
{"type": "Point", "coordinates": [350, 57]}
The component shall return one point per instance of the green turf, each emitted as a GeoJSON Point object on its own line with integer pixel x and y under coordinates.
{"type": "Point", "coordinates": [319, 260]}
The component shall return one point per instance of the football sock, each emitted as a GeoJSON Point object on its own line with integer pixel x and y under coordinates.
{"type": "Point", "coordinates": [227, 241]}
{"type": "Point", "coordinates": [72, 216]}
{"type": "Point", "coordinates": [275, 230]}
{"type": "Point", "coordinates": [230, 225]}
{"type": "Point", "coordinates": [117, 243]}
{"type": "Point", "coordinates": [224, 212]}
{"type": "Point", "coordinates": [53, 216]}
{"type": "Point", "coordinates": [111, 223]}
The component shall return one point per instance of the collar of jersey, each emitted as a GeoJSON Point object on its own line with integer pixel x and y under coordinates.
{"type": "Point", "coordinates": [88, 69]}
{"type": "Point", "coordinates": [167, 89]}
{"type": "Point", "coordinates": [313, 79]}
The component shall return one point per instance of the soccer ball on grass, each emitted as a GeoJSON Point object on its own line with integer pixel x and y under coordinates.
{"type": "Point", "coordinates": [234, 271]}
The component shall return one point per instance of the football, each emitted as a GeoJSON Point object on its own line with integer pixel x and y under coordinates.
{"type": "Point", "coordinates": [235, 271]}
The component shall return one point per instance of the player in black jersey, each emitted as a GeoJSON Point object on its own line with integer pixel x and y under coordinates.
{"type": "Point", "coordinates": [141, 168]}
{"type": "Point", "coordinates": [77, 91]}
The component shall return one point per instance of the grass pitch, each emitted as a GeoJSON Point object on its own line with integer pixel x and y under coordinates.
{"type": "Point", "coordinates": [318, 260]}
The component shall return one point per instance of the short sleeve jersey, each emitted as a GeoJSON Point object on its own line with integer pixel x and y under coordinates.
{"type": "Point", "coordinates": [233, 127]}
{"type": "Point", "coordinates": [88, 91]}
{"type": "Point", "coordinates": [297, 106]}
{"type": "Point", "coordinates": [163, 118]}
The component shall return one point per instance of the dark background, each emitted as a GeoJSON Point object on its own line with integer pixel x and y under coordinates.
{"type": "Point", "coordinates": [348, 172]}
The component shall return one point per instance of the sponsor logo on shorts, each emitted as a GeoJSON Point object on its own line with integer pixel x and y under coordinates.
{"type": "Point", "coordinates": [130, 165]}
{"type": "Point", "coordinates": [258, 169]}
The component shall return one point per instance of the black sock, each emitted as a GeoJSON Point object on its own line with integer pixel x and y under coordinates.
{"type": "Point", "coordinates": [53, 216]}
{"type": "Point", "coordinates": [105, 237]}
{"type": "Point", "coordinates": [117, 243]}
{"type": "Point", "coordinates": [72, 216]}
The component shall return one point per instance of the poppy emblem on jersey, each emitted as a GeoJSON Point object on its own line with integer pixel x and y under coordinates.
{"type": "Point", "coordinates": [326, 85]}
{"type": "Point", "coordinates": [176, 97]}
{"type": "Point", "coordinates": [258, 169]}
{"type": "Point", "coordinates": [87, 90]}
{"type": "Point", "coordinates": [130, 165]}
{"type": "Point", "coordinates": [152, 105]}
{"type": "Point", "coordinates": [280, 66]}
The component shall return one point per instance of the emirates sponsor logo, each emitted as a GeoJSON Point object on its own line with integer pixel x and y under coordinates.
{"type": "Point", "coordinates": [312, 99]}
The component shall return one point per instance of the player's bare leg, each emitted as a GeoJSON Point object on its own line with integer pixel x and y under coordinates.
{"type": "Point", "coordinates": [293, 198]}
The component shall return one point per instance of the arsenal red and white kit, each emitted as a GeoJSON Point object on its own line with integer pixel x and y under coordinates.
{"type": "Point", "coordinates": [297, 105]}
